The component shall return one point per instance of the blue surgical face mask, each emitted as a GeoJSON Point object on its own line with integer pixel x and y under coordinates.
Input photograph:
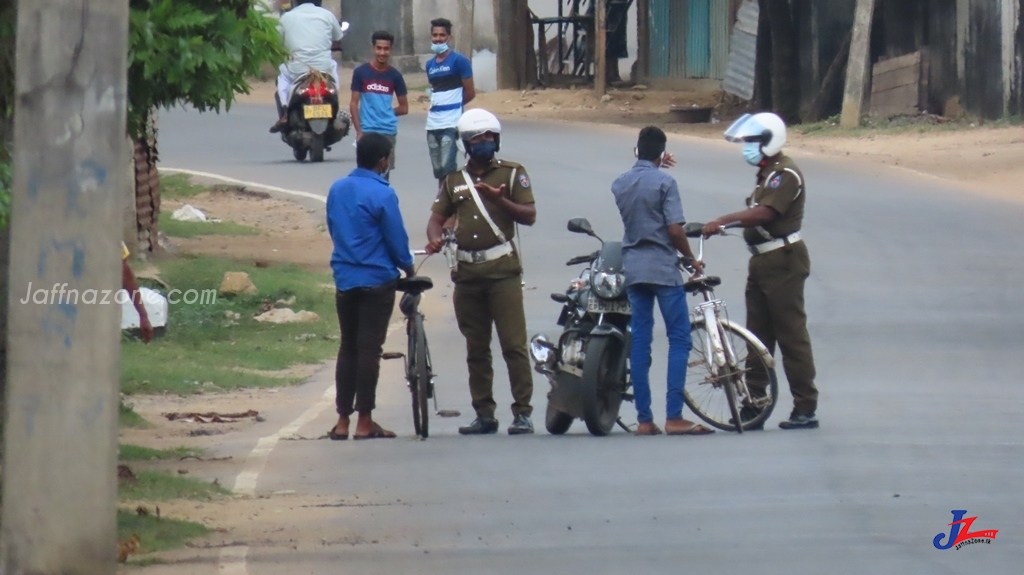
{"type": "Point", "coordinates": [752, 153]}
{"type": "Point", "coordinates": [439, 48]}
{"type": "Point", "coordinates": [483, 151]}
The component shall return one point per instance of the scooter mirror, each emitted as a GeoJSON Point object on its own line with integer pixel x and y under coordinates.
{"type": "Point", "coordinates": [540, 349]}
{"type": "Point", "coordinates": [580, 226]}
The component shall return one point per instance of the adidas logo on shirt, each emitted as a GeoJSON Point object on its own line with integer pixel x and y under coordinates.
{"type": "Point", "coordinates": [375, 87]}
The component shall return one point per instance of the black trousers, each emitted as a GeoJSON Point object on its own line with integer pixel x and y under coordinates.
{"type": "Point", "coordinates": [363, 314]}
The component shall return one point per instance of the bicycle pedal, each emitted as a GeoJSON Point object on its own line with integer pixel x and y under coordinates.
{"type": "Point", "coordinates": [392, 355]}
{"type": "Point", "coordinates": [448, 413]}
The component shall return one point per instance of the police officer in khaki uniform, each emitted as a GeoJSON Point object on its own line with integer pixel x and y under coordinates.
{"type": "Point", "coordinates": [779, 262]}
{"type": "Point", "coordinates": [488, 197]}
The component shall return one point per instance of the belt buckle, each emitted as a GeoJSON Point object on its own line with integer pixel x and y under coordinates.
{"type": "Point", "coordinates": [478, 257]}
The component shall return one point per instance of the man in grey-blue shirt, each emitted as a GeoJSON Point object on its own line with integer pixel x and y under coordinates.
{"type": "Point", "coordinates": [652, 215]}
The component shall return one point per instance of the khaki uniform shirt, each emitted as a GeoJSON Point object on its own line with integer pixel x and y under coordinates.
{"type": "Point", "coordinates": [472, 231]}
{"type": "Point", "coordinates": [780, 186]}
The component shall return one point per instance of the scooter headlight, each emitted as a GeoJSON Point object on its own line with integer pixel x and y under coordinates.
{"type": "Point", "coordinates": [608, 285]}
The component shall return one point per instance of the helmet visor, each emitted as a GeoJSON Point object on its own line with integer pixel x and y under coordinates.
{"type": "Point", "coordinates": [745, 129]}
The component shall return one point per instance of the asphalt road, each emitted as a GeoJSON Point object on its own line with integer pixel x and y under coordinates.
{"type": "Point", "coordinates": [917, 318]}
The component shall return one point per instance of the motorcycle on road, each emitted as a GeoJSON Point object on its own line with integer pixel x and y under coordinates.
{"type": "Point", "coordinates": [587, 366]}
{"type": "Point", "coordinates": [315, 118]}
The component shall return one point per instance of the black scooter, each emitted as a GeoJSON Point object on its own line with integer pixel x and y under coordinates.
{"type": "Point", "coordinates": [587, 367]}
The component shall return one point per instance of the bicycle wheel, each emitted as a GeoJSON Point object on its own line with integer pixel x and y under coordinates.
{"type": "Point", "coordinates": [723, 396]}
{"type": "Point", "coordinates": [422, 372]}
{"type": "Point", "coordinates": [410, 376]}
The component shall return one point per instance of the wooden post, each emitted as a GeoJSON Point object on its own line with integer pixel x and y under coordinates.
{"type": "Point", "coordinates": [643, 40]}
{"type": "Point", "coordinates": [857, 69]}
{"type": "Point", "coordinates": [60, 456]}
{"type": "Point", "coordinates": [600, 47]}
{"type": "Point", "coordinates": [464, 28]}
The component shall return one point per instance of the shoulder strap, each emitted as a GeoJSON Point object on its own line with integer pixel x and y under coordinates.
{"type": "Point", "coordinates": [483, 209]}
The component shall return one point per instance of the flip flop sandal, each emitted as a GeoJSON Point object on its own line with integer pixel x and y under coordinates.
{"type": "Point", "coordinates": [697, 429]}
{"type": "Point", "coordinates": [336, 436]}
{"type": "Point", "coordinates": [654, 430]}
{"type": "Point", "coordinates": [376, 432]}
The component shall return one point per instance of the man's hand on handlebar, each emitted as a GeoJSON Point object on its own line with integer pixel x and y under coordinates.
{"type": "Point", "coordinates": [435, 245]}
{"type": "Point", "coordinates": [712, 228]}
{"type": "Point", "coordinates": [693, 264]}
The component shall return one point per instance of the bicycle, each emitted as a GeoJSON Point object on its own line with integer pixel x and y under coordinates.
{"type": "Point", "coordinates": [718, 366]}
{"type": "Point", "coordinates": [419, 372]}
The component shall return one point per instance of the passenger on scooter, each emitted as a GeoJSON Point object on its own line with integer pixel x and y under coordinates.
{"type": "Point", "coordinates": [309, 33]}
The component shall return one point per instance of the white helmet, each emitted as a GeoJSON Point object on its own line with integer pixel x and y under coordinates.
{"type": "Point", "coordinates": [766, 128]}
{"type": "Point", "coordinates": [475, 122]}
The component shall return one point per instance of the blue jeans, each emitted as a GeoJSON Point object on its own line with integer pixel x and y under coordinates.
{"type": "Point", "coordinates": [443, 151]}
{"type": "Point", "coordinates": [672, 303]}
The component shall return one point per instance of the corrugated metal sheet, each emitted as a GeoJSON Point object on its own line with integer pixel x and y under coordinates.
{"type": "Point", "coordinates": [698, 38]}
{"type": "Point", "coordinates": [689, 38]}
{"type": "Point", "coordinates": [659, 29]}
{"type": "Point", "coordinates": [739, 74]}
{"type": "Point", "coordinates": [719, 38]}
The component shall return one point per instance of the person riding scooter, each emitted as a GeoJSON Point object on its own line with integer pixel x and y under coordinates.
{"type": "Point", "coordinates": [310, 33]}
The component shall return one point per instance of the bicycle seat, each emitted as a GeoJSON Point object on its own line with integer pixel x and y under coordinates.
{"type": "Point", "coordinates": [702, 284]}
{"type": "Point", "coordinates": [415, 284]}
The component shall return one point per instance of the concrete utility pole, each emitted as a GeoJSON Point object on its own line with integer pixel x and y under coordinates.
{"type": "Point", "coordinates": [60, 456]}
{"type": "Point", "coordinates": [858, 69]}
{"type": "Point", "coordinates": [464, 28]}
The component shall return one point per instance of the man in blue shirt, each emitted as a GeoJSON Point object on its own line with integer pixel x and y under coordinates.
{"type": "Point", "coordinates": [451, 87]}
{"type": "Point", "coordinates": [652, 215]}
{"type": "Point", "coordinates": [374, 86]}
{"type": "Point", "coordinates": [370, 247]}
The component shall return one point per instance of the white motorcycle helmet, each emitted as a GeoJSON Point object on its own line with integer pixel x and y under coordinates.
{"type": "Point", "coordinates": [475, 122]}
{"type": "Point", "coordinates": [766, 128]}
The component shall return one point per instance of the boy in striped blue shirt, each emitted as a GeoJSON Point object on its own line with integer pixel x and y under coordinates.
{"type": "Point", "coordinates": [451, 87]}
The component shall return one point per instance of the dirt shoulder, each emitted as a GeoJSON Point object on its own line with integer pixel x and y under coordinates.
{"type": "Point", "coordinates": [985, 159]}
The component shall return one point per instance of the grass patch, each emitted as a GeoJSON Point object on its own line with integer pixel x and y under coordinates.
{"type": "Point", "coordinates": [178, 229]}
{"type": "Point", "coordinates": [179, 186]}
{"type": "Point", "coordinates": [916, 124]}
{"type": "Point", "coordinates": [157, 486]}
{"type": "Point", "coordinates": [155, 534]}
{"type": "Point", "coordinates": [202, 349]}
{"type": "Point", "coordinates": [127, 417]}
{"type": "Point", "coordinates": [128, 452]}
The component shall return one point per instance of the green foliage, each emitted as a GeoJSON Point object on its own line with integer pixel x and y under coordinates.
{"type": "Point", "coordinates": [156, 533]}
{"type": "Point", "coordinates": [128, 452]}
{"type": "Point", "coordinates": [157, 486]}
{"type": "Point", "coordinates": [205, 351]}
{"type": "Point", "coordinates": [198, 52]}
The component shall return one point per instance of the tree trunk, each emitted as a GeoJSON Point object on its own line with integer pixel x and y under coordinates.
{"type": "Point", "coordinates": [517, 58]}
{"type": "Point", "coordinates": [785, 60]}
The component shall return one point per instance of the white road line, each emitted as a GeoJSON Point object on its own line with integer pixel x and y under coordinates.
{"type": "Point", "coordinates": [232, 560]}
{"type": "Point", "coordinates": [245, 483]}
{"type": "Point", "coordinates": [298, 193]}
